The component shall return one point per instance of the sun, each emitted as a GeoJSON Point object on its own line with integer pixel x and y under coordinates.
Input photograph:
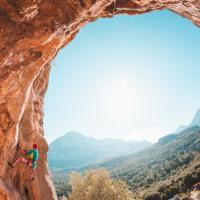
{"type": "Point", "coordinates": [122, 98]}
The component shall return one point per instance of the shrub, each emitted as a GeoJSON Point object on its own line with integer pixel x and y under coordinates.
{"type": "Point", "coordinates": [97, 185]}
{"type": "Point", "coordinates": [162, 187]}
{"type": "Point", "coordinates": [186, 197]}
{"type": "Point", "coordinates": [173, 190]}
{"type": "Point", "coordinates": [153, 196]}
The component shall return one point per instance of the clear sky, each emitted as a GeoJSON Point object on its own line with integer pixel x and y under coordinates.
{"type": "Point", "coordinates": [130, 77]}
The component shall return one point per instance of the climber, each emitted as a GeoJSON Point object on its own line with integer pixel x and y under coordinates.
{"type": "Point", "coordinates": [30, 159]}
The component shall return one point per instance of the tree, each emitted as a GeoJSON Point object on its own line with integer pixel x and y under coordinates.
{"type": "Point", "coordinates": [97, 185]}
{"type": "Point", "coordinates": [153, 196]}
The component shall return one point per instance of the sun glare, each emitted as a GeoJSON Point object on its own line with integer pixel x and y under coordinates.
{"type": "Point", "coordinates": [122, 98]}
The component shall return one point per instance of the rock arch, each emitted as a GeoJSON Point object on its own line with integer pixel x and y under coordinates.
{"type": "Point", "coordinates": [31, 34]}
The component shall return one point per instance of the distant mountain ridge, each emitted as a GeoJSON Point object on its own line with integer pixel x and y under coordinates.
{"type": "Point", "coordinates": [173, 163]}
{"type": "Point", "coordinates": [165, 169]}
{"type": "Point", "coordinates": [195, 122]}
{"type": "Point", "coordinates": [193, 125]}
{"type": "Point", "coordinates": [74, 150]}
{"type": "Point", "coordinates": [169, 138]}
{"type": "Point", "coordinates": [196, 119]}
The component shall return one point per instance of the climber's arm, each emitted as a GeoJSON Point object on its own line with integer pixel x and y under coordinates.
{"type": "Point", "coordinates": [29, 152]}
{"type": "Point", "coordinates": [23, 151]}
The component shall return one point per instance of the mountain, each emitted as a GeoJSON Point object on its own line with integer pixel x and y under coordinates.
{"type": "Point", "coordinates": [74, 150]}
{"type": "Point", "coordinates": [180, 129]}
{"type": "Point", "coordinates": [168, 138]}
{"type": "Point", "coordinates": [195, 122]}
{"type": "Point", "coordinates": [158, 172]}
{"type": "Point", "coordinates": [196, 119]}
{"type": "Point", "coordinates": [166, 168]}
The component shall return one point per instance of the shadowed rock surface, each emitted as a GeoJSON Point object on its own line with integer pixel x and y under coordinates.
{"type": "Point", "coordinates": [31, 33]}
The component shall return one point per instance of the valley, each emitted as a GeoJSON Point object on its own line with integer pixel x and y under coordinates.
{"type": "Point", "coordinates": [160, 171]}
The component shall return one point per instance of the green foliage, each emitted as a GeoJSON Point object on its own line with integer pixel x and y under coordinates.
{"type": "Point", "coordinates": [163, 170]}
{"type": "Point", "coordinates": [97, 185]}
{"type": "Point", "coordinates": [173, 190]}
{"type": "Point", "coordinates": [153, 196]}
{"type": "Point", "coordinates": [61, 183]}
{"type": "Point", "coordinates": [160, 172]}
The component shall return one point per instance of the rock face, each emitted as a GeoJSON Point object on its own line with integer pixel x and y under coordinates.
{"type": "Point", "coordinates": [31, 33]}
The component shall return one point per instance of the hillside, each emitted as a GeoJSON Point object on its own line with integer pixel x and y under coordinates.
{"type": "Point", "coordinates": [74, 150]}
{"type": "Point", "coordinates": [195, 122]}
{"type": "Point", "coordinates": [196, 119]}
{"type": "Point", "coordinates": [166, 168]}
{"type": "Point", "coordinates": [160, 171]}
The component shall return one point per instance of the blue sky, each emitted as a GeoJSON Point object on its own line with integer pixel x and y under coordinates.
{"type": "Point", "coordinates": [130, 77]}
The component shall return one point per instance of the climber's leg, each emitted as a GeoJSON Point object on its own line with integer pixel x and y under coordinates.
{"type": "Point", "coordinates": [32, 164]}
{"type": "Point", "coordinates": [20, 159]}
{"type": "Point", "coordinates": [32, 173]}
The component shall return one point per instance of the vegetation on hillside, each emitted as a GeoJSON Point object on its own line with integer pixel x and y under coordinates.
{"type": "Point", "coordinates": [97, 185]}
{"type": "Point", "coordinates": [167, 169]}
{"type": "Point", "coordinates": [163, 170]}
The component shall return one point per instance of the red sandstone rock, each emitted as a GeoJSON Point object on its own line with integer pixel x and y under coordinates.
{"type": "Point", "coordinates": [31, 33]}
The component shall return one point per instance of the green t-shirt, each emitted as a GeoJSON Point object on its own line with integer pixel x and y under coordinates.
{"type": "Point", "coordinates": [32, 154]}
